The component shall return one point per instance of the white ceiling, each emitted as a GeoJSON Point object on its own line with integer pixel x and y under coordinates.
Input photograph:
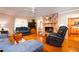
{"type": "Point", "coordinates": [39, 11]}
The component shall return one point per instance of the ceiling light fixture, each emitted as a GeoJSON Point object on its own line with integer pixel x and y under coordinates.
{"type": "Point", "coordinates": [33, 11]}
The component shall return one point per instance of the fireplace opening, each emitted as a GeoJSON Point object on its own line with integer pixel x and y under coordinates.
{"type": "Point", "coordinates": [48, 29]}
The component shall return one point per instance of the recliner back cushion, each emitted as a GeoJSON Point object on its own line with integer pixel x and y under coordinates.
{"type": "Point", "coordinates": [62, 31]}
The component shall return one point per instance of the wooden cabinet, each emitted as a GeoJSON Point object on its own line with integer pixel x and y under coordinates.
{"type": "Point", "coordinates": [73, 26]}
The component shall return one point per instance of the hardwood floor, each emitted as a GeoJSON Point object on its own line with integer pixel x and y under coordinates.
{"type": "Point", "coordinates": [70, 44]}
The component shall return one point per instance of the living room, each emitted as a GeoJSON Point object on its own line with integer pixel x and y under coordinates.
{"type": "Point", "coordinates": [38, 24]}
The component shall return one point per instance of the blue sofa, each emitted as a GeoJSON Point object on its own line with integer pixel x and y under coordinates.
{"type": "Point", "coordinates": [23, 30]}
{"type": "Point", "coordinates": [27, 46]}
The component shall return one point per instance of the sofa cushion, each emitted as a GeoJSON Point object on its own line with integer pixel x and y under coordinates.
{"type": "Point", "coordinates": [28, 46]}
{"type": "Point", "coordinates": [3, 37]}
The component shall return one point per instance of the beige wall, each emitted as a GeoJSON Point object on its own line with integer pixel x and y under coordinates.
{"type": "Point", "coordinates": [30, 19]}
{"type": "Point", "coordinates": [63, 17]}
{"type": "Point", "coordinates": [9, 22]}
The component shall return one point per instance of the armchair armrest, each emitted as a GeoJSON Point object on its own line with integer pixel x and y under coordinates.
{"type": "Point", "coordinates": [55, 37]}
{"type": "Point", "coordinates": [52, 34]}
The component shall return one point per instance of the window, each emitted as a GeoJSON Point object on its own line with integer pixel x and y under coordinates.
{"type": "Point", "coordinates": [19, 22]}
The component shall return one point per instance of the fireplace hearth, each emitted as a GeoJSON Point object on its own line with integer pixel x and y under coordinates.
{"type": "Point", "coordinates": [48, 29]}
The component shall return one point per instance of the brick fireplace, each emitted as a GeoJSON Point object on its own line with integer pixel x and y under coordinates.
{"type": "Point", "coordinates": [48, 29]}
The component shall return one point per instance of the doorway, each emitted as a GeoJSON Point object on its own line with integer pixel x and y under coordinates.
{"type": "Point", "coordinates": [73, 24]}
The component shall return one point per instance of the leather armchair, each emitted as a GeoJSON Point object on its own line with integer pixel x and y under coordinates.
{"type": "Point", "coordinates": [56, 39]}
